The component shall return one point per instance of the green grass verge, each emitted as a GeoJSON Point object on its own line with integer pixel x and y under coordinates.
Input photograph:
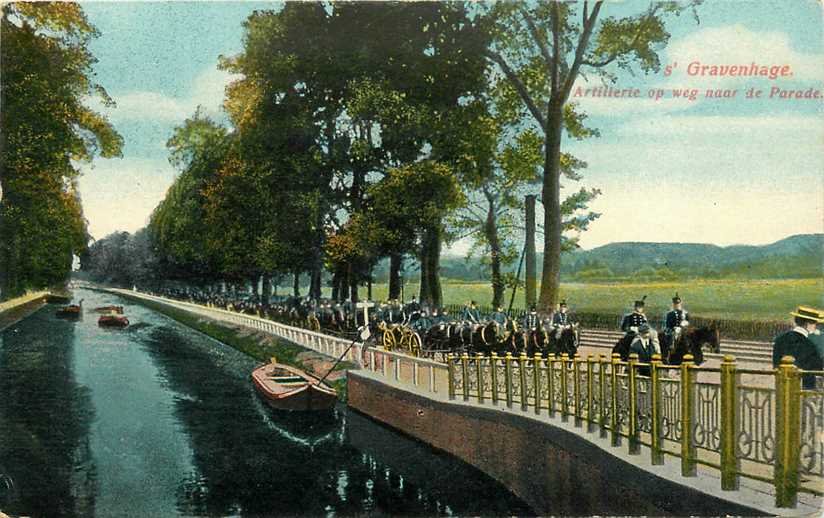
{"type": "Point", "coordinates": [744, 300]}
{"type": "Point", "coordinates": [253, 345]}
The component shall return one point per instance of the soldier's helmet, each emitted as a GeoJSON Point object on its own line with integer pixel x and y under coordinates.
{"type": "Point", "coordinates": [676, 299]}
{"type": "Point", "coordinates": [640, 303]}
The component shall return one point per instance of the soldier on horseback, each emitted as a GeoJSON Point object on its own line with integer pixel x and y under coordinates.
{"type": "Point", "coordinates": [531, 319]}
{"type": "Point", "coordinates": [499, 317]}
{"type": "Point", "coordinates": [674, 323]}
{"type": "Point", "coordinates": [471, 313]}
{"type": "Point", "coordinates": [561, 319]}
{"type": "Point", "coordinates": [631, 324]}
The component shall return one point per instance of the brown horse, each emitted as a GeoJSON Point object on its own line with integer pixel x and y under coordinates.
{"type": "Point", "coordinates": [693, 341]}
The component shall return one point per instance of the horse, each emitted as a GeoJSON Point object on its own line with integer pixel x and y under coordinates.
{"type": "Point", "coordinates": [537, 343]}
{"type": "Point", "coordinates": [567, 342]}
{"type": "Point", "coordinates": [623, 345]}
{"type": "Point", "coordinates": [692, 341]}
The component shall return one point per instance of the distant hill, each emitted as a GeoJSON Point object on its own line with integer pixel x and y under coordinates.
{"type": "Point", "coordinates": [798, 256]}
{"type": "Point", "coordinates": [792, 257]}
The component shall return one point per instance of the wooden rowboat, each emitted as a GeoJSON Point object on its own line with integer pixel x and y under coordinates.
{"type": "Point", "coordinates": [287, 388]}
{"type": "Point", "coordinates": [113, 321]}
{"type": "Point", "coordinates": [72, 311]}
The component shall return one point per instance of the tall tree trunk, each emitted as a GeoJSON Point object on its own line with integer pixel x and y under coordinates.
{"type": "Point", "coordinates": [296, 284]}
{"type": "Point", "coordinates": [353, 282]}
{"type": "Point", "coordinates": [551, 278]}
{"type": "Point", "coordinates": [267, 289]}
{"type": "Point", "coordinates": [255, 291]}
{"type": "Point", "coordinates": [530, 251]}
{"type": "Point", "coordinates": [315, 283]}
{"type": "Point", "coordinates": [335, 285]}
{"type": "Point", "coordinates": [491, 231]}
{"type": "Point", "coordinates": [369, 286]}
{"type": "Point", "coordinates": [395, 265]}
{"type": "Point", "coordinates": [424, 262]}
{"type": "Point", "coordinates": [434, 269]}
{"type": "Point", "coordinates": [431, 291]}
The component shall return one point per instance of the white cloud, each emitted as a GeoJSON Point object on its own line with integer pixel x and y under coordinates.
{"type": "Point", "coordinates": [738, 45]}
{"type": "Point", "coordinates": [808, 128]}
{"type": "Point", "coordinates": [120, 194]}
{"type": "Point", "coordinates": [207, 91]}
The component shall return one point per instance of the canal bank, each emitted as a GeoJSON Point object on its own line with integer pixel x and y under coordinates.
{"type": "Point", "coordinates": [258, 345]}
{"type": "Point", "coordinates": [16, 309]}
{"type": "Point", "coordinates": [158, 419]}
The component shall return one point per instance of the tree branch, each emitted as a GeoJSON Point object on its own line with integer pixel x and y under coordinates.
{"type": "Point", "coordinates": [519, 86]}
{"type": "Point", "coordinates": [641, 26]}
{"type": "Point", "coordinates": [533, 30]}
{"type": "Point", "coordinates": [583, 42]}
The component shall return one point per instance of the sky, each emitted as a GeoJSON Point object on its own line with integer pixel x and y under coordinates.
{"type": "Point", "coordinates": [725, 171]}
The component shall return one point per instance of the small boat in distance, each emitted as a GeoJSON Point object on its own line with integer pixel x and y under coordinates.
{"type": "Point", "coordinates": [110, 309]}
{"type": "Point", "coordinates": [72, 311]}
{"type": "Point", "coordinates": [112, 320]}
{"type": "Point", "coordinates": [287, 388]}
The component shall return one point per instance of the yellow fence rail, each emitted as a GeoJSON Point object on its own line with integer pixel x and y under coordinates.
{"type": "Point", "coordinates": [775, 435]}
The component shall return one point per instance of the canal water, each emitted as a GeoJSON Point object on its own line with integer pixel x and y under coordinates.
{"type": "Point", "coordinates": [159, 420]}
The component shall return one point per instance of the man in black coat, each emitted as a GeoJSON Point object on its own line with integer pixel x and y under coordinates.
{"type": "Point", "coordinates": [796, 343]}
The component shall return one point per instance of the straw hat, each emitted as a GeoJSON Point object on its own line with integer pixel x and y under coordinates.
{"type": "Point", "coordinates": [808, 313]}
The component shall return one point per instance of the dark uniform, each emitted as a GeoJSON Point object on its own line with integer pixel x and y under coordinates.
{"type": "Point", "coordinates": [499, 317]}
{"type": "Point", "coordinates": [674, 319]}
{"type": "Point", "coordinates": [634, 319]}
{"type": "Point", "coordinates": [531, 320]}
{"type": "Point", "coordinates": [561, 319]}
{"type": "Point", "coordinates": [471, 314]}
{"type": "Point", "coordinates": [794, 343]}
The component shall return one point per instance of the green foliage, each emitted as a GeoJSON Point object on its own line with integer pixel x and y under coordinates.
{"type": "Point", "coordinates": [45, 127]}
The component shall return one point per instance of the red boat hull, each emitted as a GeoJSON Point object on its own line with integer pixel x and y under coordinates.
{"type": "Point", "coordinates": [306, 396]}
{"type": "Point", "coordinates": [112, 321]}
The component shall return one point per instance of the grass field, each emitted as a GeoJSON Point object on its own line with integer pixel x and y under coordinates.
{"type": "Point", "coordinates": [721, 299]}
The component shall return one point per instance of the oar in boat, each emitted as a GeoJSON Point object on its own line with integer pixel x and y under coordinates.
{"type": "Point", "coordinates": [363, 335]}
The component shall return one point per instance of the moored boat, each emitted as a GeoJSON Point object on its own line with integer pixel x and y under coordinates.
{"type": "Point", "coordinates": [287, 388]}
{"type": "Point", "coordinates": [113, 321]}
{"type": "Point", "coordinates": [71, 311]}
{"type": "Point", "coordinates": [110, 309]}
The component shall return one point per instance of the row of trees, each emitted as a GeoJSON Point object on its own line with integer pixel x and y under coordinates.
{"type": "Point", "coordinates": [362, 131]}
{"type": "Point", "coordinates": [45, 129]}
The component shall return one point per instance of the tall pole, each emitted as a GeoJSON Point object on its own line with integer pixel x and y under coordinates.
{"type": "Point", "coordinates": [529, 248]}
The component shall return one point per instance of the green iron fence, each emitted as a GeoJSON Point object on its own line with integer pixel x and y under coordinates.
{"type": "Point", "coordinates": [775, 435]}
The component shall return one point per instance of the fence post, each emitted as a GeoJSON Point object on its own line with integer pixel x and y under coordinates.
{"type": "Point", "coordinates": [730, 464]}
{"type": "Point", "coordinates": [602, 394]}
{"type": "Point", "coordinates": [656, 451]}
{"type": "Point", "coordinates": [632, 425]}
{"type": "Point", "coordinates": [494, 373]}
{"type": "Point", "coordinates": [450, 367]}
{"type": "Point", "coordinates": [508, 379]}
{"type": "Point", "coordinates": [536, 381]}
{"type": "Point", "coordinates": [479, 372]}
{"type": "Point", "coordinates": [564, 388]}
{"type": "Point", "coordinates": [550, 371]}
{"type": "Point", "coordinates": [615, 434]}
{"type": "Point", "coordinates": [788, 432]}
{"type": "Point", "coordinates": [576, 388]}
{"type": "Point", "coordinates": [590, 385]}
{"type": "Point", "coordinates": [688, 466]}
{"type": "Point", "coordinates": [522, 359]}
{"type": "Point", "coordinates": [465, 375]}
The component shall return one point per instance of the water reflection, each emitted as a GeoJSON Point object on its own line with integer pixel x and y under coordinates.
{"type": "Point", "coordinates": [250, 459]}
{"type": "Point", "coordinates": [45, 418]}
{"type": "Point", "coordinates": [159, 420]}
